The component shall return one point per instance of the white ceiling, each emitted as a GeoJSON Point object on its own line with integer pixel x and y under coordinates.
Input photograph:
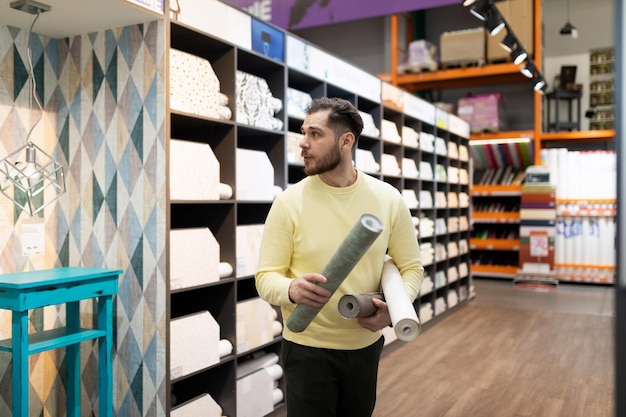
{"type": "Point", "coordinates": [76, 17]}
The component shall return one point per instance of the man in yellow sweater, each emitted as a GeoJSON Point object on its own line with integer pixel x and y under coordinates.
{"type": "Point", "coordinates": [331, 367]}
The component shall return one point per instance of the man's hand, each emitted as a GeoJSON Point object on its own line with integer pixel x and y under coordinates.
{"type": "Point", "coordinates": [305, 290]}
{"type": "Point", "coordinates": [379, 320]}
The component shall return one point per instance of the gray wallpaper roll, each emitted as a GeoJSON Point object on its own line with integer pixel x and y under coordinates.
{"type": "Point", "coordinates": [358, 305]}
{"type": "Point", "coordinates": [351, 250]}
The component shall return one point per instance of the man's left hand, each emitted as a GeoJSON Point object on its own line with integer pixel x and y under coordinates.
{"type": "Point", "coordinates": [379, 320]}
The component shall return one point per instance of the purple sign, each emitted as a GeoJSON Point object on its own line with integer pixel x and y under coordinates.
{"type": "Point", "coordinates": [299, 14]}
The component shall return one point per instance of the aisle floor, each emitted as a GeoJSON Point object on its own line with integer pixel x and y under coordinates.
{"type": "Point", "coordinates": [510, 352]}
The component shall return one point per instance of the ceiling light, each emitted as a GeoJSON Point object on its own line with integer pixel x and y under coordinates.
{"type": "Point", "coordinates": [494, 22]}
{"type": "Point", "coordinates": [518, 55]}
{"type": "Point", "coordinates": [468, 2]}
{"type": "Point", "coordinates": [25, 174]}
{"type": "Point", "coordinates": [528, 70]}
{"type": "Point", "coordinates": [481, 9]}
{"type": "Point", "coordinates": [540, 85]}
{"type": "Point", "coordinates": [568, 29]}
{"type": "Point", "coordinates": [508, 42]}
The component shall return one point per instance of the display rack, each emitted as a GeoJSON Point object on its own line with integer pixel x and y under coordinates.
{"type": "Point", "coordinates": [299, 66]}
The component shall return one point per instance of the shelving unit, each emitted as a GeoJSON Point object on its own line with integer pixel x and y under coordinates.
{"type": "Point", "coordinates": [493, 74]}
{"type": "Point", "coordinates": [495, 221]}
{"type": "Point", "coordinates": [223, 217]}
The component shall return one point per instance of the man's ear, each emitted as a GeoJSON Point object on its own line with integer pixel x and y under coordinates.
{"type": "Point", "coordinates": [347, 139]}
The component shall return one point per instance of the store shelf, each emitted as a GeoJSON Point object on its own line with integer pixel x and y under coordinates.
{"type": "Point", "coordinates": [504, 73]}
{"type": "Point", "coordinates": [500, 136]}
{"type": "Point", "coordinates": [491, 217]}
{"type": "Point", "coordinates": [584, 135]}
{"type": "Point", "coordinates": [494, 244]}
{"type": "Point", "coordinates": [497, 271]}
{"type": "Point", "coordinates": [496, 190]}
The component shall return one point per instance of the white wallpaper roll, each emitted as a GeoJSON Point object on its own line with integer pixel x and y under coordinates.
{"type": "Point", "coordinates": [403, 316]}
{"type": "Point", "coordinates": [278, 395]}
{"type": "Point", "coordinates": [275, 371]}
{"type": "Point", "coordinates": [559, 242]}
{"type": "Point", "coordinates": [277, 328]}
{"type": "Point", "coordinates": [225, 348]}
{"type": "Point", "coordinates": [226, 269]}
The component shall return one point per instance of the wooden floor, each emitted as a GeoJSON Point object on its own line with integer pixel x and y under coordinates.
{"type": "Point", "coordinates": [488, 360]}
{"type": "Point", "coordinates": [539, 357]}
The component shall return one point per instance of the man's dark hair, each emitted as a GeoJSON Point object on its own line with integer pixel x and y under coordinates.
{"type": "Point", "coordinates": [343, 116]}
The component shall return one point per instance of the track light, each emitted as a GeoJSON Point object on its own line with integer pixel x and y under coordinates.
{"type": "Point", "coordinates": [481, 8]}
{"type": "Point", "coordinates": [540, 85]}
{"type": "Point", "coordinates": [508, 42]}
{"type": "Point", "coordinates": [494, 22]}
{"type": "Point", "coordinates": [528, 70]}
{"type": "Point", "coordinates": [518, 55]}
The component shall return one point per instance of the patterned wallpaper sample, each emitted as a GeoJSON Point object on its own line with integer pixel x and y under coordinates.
{"type": "Point", "coordinates": [103, 95]}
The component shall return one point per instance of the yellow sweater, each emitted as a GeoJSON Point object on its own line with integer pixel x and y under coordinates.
{"type": "Point", "coordinates": [306, 225]}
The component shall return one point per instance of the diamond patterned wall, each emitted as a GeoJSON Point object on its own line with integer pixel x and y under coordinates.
{"type": "Point", "coordinates": [104, 118]}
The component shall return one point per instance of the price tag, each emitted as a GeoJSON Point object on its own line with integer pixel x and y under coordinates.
{"type": "Point", "coordinates": [33, 239]}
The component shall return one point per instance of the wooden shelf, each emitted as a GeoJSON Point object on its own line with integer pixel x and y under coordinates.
{"type": "Point", "coordinates": [591, 135]}
{"type": "Point", "coordinates": [504, 73]}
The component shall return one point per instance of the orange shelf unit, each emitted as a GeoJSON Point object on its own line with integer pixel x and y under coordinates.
{"type": "Point", "coordinates": [504, 73]}
{"type": "Point", "coordinates": [494, 270]}
{"type": "Point", "coordinates": [493, 217]}
{"type": "Point", "coordinates": [495, 244]}
{"type": "Point", "coordinates": [591, 135]}
{"type": "Point", "coordinates": [495, 190]}
{"type": "Point", "coordinates": [498, 136]}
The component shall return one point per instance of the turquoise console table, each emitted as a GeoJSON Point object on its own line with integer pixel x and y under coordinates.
{"type": "Point", "coordinates": [23, 291]}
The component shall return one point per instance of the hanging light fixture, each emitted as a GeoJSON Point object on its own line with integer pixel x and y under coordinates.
{"type": "Point", "coordinates": [27, 172]}
{"type": "Point", "coordinates": [568, 29]}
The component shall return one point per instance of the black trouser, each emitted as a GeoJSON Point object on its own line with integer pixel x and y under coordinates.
{"type": "Point", "coordinates": [330, 383]}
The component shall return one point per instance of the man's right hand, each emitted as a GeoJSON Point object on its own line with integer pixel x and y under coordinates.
{"type": "Point", "coordinates": [306, 290]}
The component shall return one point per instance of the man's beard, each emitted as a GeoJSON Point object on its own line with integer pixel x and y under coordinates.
{"type": "Point", "coordinates": [327, 163]}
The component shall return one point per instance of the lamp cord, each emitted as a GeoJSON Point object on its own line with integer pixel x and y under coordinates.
{"type": "Point", "coordinates": [32, 82]}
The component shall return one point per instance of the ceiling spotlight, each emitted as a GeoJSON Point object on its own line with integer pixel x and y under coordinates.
{"type": "Point", "coordinates": [518, 55]}
{"type": "Point", "coordinates": [481, 9]}
{"type": "Point", "coordinates": [494, 22]}
{"type": "Point", "coordinates": [568, 29]}
{"type": "Point", "coordinates": [540, 85]}
{"type": "Point", "coordinates": [528, 70]}
{"type": "Point", "coordinates": [508, 42]}
{"type": "Point", "coordinates": [468, 2]}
